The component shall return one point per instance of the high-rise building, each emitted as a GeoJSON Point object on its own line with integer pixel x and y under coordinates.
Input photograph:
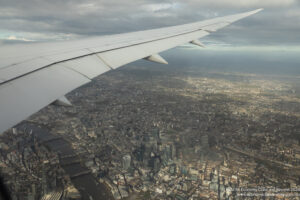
{"type": "Point", "coordinates": [204, 142]}
{"type": "Point", "coordinates": [156, 165]}
{"type": "Point", "coordinates": [44, 182]}
{"type": "Point", "coordinates": [156, 133]}
{"type": "Point", "coordinates": [126, 161]}
{"type": "Point", "coordinates": [173, 152]}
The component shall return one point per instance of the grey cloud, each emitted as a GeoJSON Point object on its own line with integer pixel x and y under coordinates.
{"type": "Point", "coordinates": [277, 25]}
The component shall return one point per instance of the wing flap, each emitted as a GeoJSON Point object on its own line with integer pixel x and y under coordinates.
{"type": "Point", "coordinates": [59, 57]}
{"type": "Point", "coordinates": [89, 66]}
{"type": "Point", "coordinates": [16, 70]}
{"type": "Point", "coordinates": [18, 102]}
{"type": "Point", "coordinates": [20, 69]}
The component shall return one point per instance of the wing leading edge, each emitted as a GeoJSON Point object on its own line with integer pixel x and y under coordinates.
{"type": "Point", "coordinates": [33, 76]}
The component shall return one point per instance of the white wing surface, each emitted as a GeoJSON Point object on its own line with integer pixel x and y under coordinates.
{"type": "Point", "coordinates": [33, 76]}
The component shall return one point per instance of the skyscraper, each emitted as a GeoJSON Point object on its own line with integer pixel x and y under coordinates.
{"type": "Point", "coordinates": [126, 161]}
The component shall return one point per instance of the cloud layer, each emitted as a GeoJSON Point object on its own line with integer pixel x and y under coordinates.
{"type": "Point", "coordinates": [43, 20]}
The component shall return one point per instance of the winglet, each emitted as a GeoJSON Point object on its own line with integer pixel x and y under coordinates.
{"type": "Point", "coordinates": [236, 17]}
{"type": "Point", "coordinates": [255, 11]}
{"type": "Point", "coordinates": [258, 10]}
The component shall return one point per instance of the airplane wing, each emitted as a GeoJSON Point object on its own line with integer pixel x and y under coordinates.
{"type": "Point", "coordinates": [33, 76]}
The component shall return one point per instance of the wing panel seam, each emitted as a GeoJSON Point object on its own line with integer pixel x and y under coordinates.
{"type": "Point", "coordinates": [25, 74]}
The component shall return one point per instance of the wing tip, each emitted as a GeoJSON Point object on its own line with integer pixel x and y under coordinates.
{"type": "Point", "coordinates": [247, 14]}
{"type": "Point", "coordinates": [256, 11]}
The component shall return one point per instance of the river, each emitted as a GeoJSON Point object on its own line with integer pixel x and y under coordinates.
{"type": "Point", "coordinates": [80, 175]}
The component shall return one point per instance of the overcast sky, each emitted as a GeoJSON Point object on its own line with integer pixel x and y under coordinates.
{"type": "Point", "coordinates": [40, 20]}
